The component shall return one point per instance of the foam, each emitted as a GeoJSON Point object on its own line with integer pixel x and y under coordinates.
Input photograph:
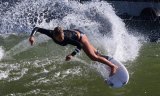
{"type": "Point", "coordinates": [1, 52]}
{"type": "Point", "coordinates": [3, 75]}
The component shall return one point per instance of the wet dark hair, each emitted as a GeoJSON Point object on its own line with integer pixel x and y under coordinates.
{"type": "Point", "coordinates": [57, 30]}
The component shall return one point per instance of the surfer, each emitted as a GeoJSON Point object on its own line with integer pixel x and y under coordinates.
{"type": "Point", "coordinates": [74, 37]}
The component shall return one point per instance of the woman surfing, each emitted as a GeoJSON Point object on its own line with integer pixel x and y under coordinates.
{"type": "Point", "coordinates": [76, 38]}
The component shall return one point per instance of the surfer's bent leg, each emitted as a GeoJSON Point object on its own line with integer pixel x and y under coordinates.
{"type": "Point", "coordinates": [92, 54]}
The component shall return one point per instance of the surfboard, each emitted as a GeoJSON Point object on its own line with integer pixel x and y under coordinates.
{"type": "Point", "coordinates": [120, 78]}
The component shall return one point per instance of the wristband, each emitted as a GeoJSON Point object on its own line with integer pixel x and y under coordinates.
{"type": "Point", "coordinates": [75, 52]}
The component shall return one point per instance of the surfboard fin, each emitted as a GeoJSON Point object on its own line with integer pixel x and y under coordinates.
{"type": "Point", "coordinates": [109, 83]}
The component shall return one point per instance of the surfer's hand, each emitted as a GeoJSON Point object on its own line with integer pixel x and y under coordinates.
{"type": "Point", "coordinates": [31, 40]}
{"type": "Point", "coordinates": [68, 57]}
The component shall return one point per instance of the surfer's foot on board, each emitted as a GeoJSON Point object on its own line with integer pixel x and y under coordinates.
{"type": "Point", "coordinates": [113, 70]}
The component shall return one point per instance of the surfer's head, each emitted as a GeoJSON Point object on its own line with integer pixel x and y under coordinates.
{"type": "Point", "coordinates": [58, 33]}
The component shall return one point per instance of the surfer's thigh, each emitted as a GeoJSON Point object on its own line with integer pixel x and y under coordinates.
{"type": "Point", "coordinates": [89, 49]}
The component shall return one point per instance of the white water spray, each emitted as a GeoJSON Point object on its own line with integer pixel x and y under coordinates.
{"type": "Point", "coordinates": [1, 52]}
{"type": "Point", "coordinates": [121, 45]}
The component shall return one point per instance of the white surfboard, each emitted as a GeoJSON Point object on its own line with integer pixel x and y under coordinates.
{"type": "Point", "coordinates": [120, 78]}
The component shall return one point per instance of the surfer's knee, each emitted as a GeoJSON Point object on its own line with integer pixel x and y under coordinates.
{"type": "Point", "coordinates": [94, 57]}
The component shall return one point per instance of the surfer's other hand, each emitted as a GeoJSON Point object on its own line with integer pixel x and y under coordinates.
{"type": "Point", "coordinates": [68, 57]}
{"type": "Point", "coordinates": [31, 40]}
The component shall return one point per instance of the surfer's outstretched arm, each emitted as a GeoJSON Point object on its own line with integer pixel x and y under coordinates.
{"type": "Point", "coordinates": [41, 30]}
